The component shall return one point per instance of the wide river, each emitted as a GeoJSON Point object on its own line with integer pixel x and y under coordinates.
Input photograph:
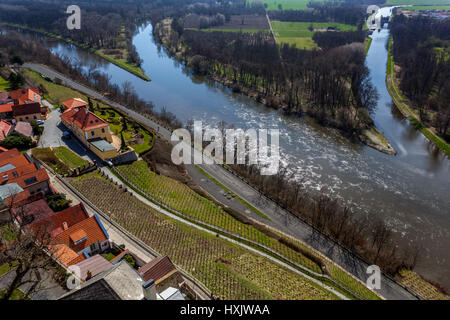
{"type": "Point", "coordinates": [411, 191]}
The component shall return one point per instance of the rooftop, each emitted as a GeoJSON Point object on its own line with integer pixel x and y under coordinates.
{"type": "Point", "coordinates": [102, 144]}
{"type": "Point", "coordinates": [83, 118]}
{"type": "Point", "coordinates": [24, 128]}
{"type": "Point", "coordinates": [95, 265]}
{"type": "Point", "coordinates": [26, 109]}
{"type": "Point", "coordinates": [157, 269]}
{"type": "Point", "coordinates": [23, 96]}
{"type": "Point", "coordinates": [74, 103]}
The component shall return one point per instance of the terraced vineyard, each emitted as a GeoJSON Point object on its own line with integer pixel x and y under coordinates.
{"type": "Point", "coordinates": [183, 199]}
{"type": "Point", "coordinates": [228, 270]}
{"type": "Point", "coordinates": [423, 288]}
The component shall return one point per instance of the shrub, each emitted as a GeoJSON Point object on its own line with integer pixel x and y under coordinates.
{"type": "Point", "coordinates": [17, 140]}
{"type": "Point", "coordinates": [58, 202]}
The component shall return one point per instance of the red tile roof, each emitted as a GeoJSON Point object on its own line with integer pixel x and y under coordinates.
{"type": "Point", "coordinates": [26, 109]}
{"type": "Point", "coordinates": [56, 223]}
{"type": "Point", "coordinates": [88, 226]}
{"type": "Point", "coordinates": [6, 107]}
{"type": "Point", "coordinates": [74, 103]}
{"type": "Point", "coordinates": [157, 269]}
{"type": "Point", "coordinates": [83, 119]}
{"type": "Point", "coordinates": [66, 255]}
{"type": "Point", "coordinates": [5, 128]}
{"type": "Point", "coordinates": [23, 96]}
{"type": "Point", "coordinates": [3, 149]}
{"type": "Point", "coordinates": [30, 179]}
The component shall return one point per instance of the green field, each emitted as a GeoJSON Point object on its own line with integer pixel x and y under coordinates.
{"type": "Point", "coordinates": [298, 33]}
{"type": "Point", "coordinates": [287, 4]}
{"type": "Point", "coordinates": [418, 2]}
{"type": "Point", "coordinates": [419, 8]}
{"type": "Point", "coordinates": [69, 157]}
{"type": "Point", "coordinates": [4, 85]}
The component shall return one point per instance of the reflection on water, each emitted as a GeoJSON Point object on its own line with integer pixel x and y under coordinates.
{"type": "Point", "coordinates": [411, 191]}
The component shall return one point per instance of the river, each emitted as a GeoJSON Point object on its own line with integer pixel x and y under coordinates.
{"type": "Point", "coordinates": [411, 191]}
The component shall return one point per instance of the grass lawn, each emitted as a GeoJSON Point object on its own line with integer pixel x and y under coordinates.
{"type": "Point", "coordinates": [108, 256]}
{"type": "Point", "coordinates": [298, 33]}
{"type": "Point", "coordinates": [69, 157]}
{"type": "Point", "coordinates": [4, 85]}
{"type": "Point", "coordinates": [5, 268]}
{"type": "Point", "coordinates": [17, 295]}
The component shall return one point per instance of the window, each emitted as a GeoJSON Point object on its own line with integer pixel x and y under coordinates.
{"type": "Point", "coordinates": [92, 133]}
{"type": "Point", "coordinates": [30, 180]}
{"type": "Point", "coordinates": [26, 118]}
{"type": "Point", "coordinates": [20, 119]}
{"type": "Point", "coordinates": [94, 247]}
{"type": "Point", "coordinates": [103, 130]}
{"type": "Point", "coordinates": [34, 117]}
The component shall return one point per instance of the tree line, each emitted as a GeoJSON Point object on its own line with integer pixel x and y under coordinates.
{"type": "Point", "coordinates": [421, 50]}
{"type": "Point", "coordinates": [331, 85]}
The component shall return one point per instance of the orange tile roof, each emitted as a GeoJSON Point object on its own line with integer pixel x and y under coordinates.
{"type": "Point", "coordinates": [6, 107]}
{"type": "Point", "coordinates": [64, 254]}
{"type": "Point", "coordinates": [89, 226]}
{"type": "Point", "coordinates": [3, 149]}
{"type": "Point", "coordinates": [5, 128]}
{"type": "Point", "coordinates": [84, 119]}
{"type": "Point", "coordinates": [23, 96]}
{"type": "Point", "coordinates": [74, 103]}
{"type": "Point", "coordinates": [78, 235]}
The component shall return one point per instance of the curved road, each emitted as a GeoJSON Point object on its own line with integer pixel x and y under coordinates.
{"type": "Point", "coordinates": [280, 218]}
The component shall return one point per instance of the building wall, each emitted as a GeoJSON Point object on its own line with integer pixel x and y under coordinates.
{"type": "Point", "coordinates": [171, 281]}
{"type": "Point", "coordinates": [40, 187]}
{"type": "Point", "coordinates": [102, 133]}
{"type": "Point", "coordinates": [30, 117]}
{"type": "Point", "coordinates": [103, 155]}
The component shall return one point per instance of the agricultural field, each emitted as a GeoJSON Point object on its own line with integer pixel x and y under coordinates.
{"type": "Point", "coordinates": [286, 4]}
{"type": "Point", "coordinates": [418, 2]}
{"type": "Point", "coordinates": [180, 197]}
{"type": "Point", "coordinates": [244, 23]}
{"type": "Point", "coordinates": [423, 288]}
{"type": "Point", "coordinates": [423, 8]}
{"type": "Point", "coordinates": [229, 271]}
{"type": "Point", "coordinates": [299, 33]}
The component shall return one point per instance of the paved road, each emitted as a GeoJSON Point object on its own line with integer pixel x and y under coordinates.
{"type": "Point", "coordinates": [281, 219]}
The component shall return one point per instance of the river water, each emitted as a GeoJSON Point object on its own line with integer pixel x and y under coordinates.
{"type": "Point", "coordinates": [411, 191]}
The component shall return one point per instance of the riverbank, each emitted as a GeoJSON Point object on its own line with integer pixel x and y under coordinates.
{"type": "Point", "coordinates": [137, 71]}
{"type": "Point", "coordinates": [403, 106]}
{"type": "Point", "coordinates": [367, 132]}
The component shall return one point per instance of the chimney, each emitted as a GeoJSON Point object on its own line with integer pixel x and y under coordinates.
{"type": "Point", "coordinates": [65, 226]}
{"type": "Point", "coordinates": [149, 290]}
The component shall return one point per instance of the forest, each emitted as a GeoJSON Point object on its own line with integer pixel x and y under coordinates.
{"type": "Point", "coordinates": [421, 49]}
{"type": "Point", "coordinates": [332, 85]}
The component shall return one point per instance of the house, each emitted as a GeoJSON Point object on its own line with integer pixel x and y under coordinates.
{"type": "Point", "coordinates": [91, 130]}
{"type": "Point", "coordinates": [5, 129]}
{"type": "Point", "coordinates": [25, 96]}
{"type": "Point", "coordinates": [21, 169]}
{"type": "Point", "coordinates": [73, 103]}
{"type": "Point", "coordinates": [24, 128]}
{"type": "Point", "coordinates": [84, 238]}
{"type": "Point", "coordinates": [121, 282]}
{"type": "Point", "coordinates": [162, 271]}
{"type": "Point", "coordinates": [29, 112]}
{"type": "Point", "coordinates": [6, 110]}
{"type": "Point", "coordinates": [60, 221]}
